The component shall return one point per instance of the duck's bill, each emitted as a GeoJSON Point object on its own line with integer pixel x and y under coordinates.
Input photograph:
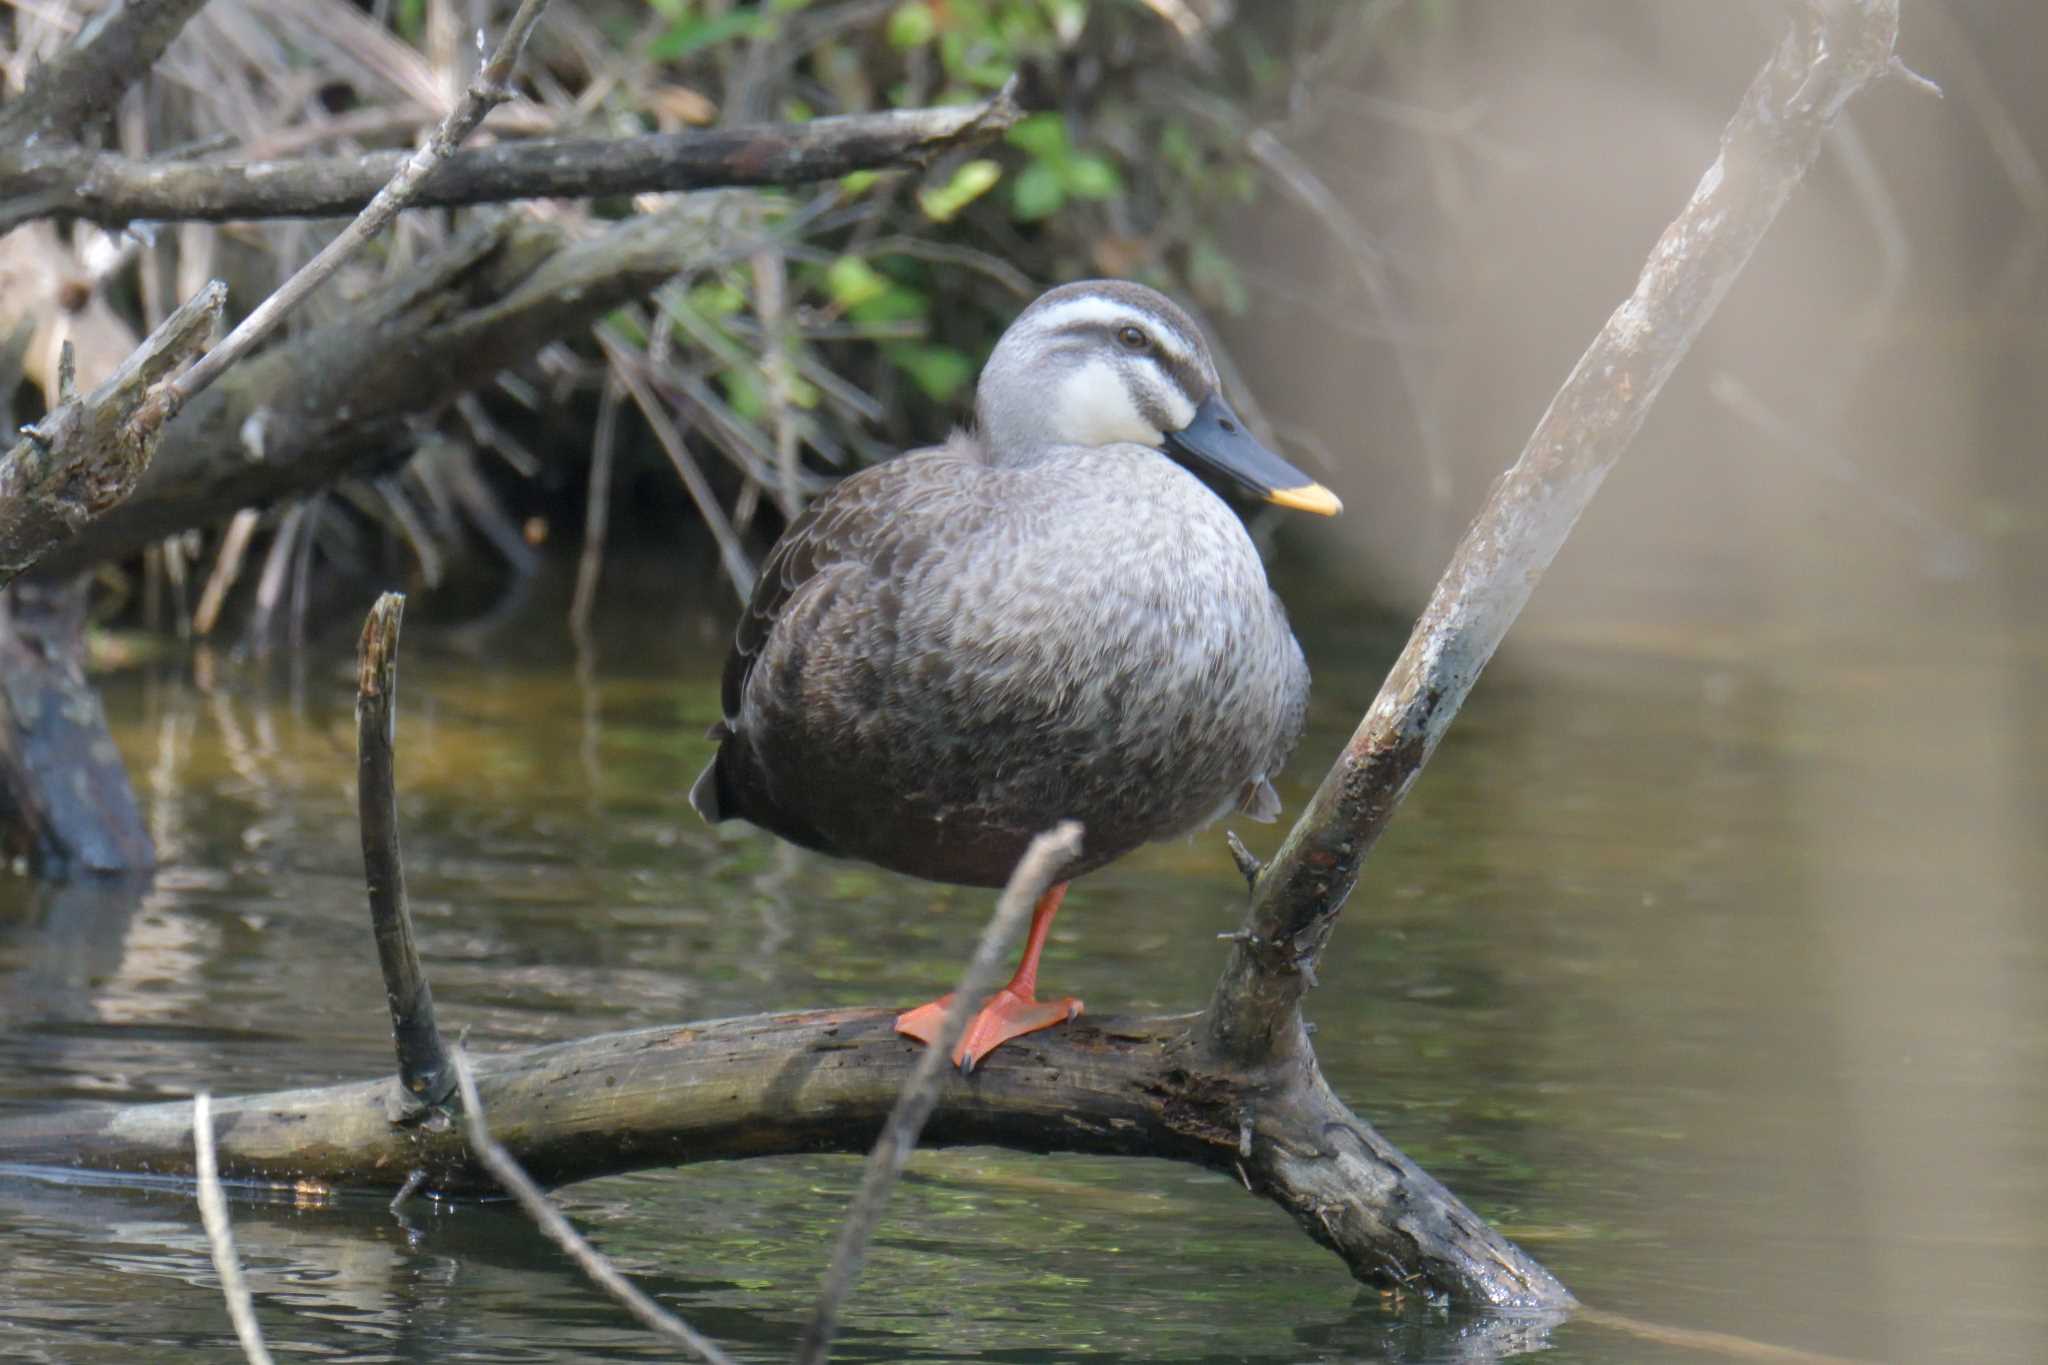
{"type": "Point", "coordinates": [1217, 440]}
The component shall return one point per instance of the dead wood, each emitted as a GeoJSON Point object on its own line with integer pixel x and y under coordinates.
{"type": "Point", "coordinates": [1235, 1089]}
{"type": "Point", "coordinates": [599, 1268]}
{"type": "Point", "coordinates": [89, 453]}
{"type": "Point", "coordinates": [1036, 870]}
{"type": "Point", "coordinates": [424, 1069]}
{"type": "Point", "coordinates": [827, 1081]}
{"type": "Point", "coordinates": [340, 399]}
{"type": "Point", "coordinates": [80, 87]}
{"type": "Point", "coordinates": [489, 88]}
{"type": "Point", "coordinates": [65, 803]}
{"type": "Point", "coordinates": [1832, 49]}
{"type": "Point", "coordinates": [220, 1236]}
{"type": "Point", "coordinates": [113, 190]}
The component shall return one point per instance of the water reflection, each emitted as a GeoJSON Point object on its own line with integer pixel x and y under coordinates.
{"type": "Point", "coordinates": [1689, 963]}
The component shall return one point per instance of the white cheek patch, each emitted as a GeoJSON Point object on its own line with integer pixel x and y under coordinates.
{"type": "Point", "coordinates": [1179, 409]}
{"type": "Point", "coordinates": [1093, 407]}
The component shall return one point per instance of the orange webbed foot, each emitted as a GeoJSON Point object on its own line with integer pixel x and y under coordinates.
{"type": "Point", "coordinates": [1007, 1015]}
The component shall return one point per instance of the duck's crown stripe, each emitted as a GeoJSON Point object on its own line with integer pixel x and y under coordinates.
{"type": "Point", "coordinates": [1098, 311]}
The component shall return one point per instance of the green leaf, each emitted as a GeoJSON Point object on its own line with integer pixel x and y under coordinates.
{"type": "Point", "coordinates": [858, 182]}
{"type": "Point", "coordinates": [989, 75]}
{"type": "Point", "coordinates": [900, 303]}
{"type": "Point", "coordinates": [854, 282]}
{"type": "Point", "coordinates": [912, 25]}
{"type": "Point", "coordinates": [1037, 191]}
{"type": "Point", "coordinates": [1042, 135]}
{"type": "Point", "coordinates": [1178, 151]}
{"type": "Point", "coordinates": [942, 203]}
{"type": "Point", "coordinates": [716, 299]}
{"type": "Point", "coordinates": [622, 321]}
{"type": "Point", "coordinates": [743, 391]}
{"type": "Point", "coordinates": [692, 34]}
{"type": "Point", "coordinates": [803, 392]}
{"type": "Point", "coordinates": [940, 371]}
{"type": "Point", "coordinates": [1092, 177]}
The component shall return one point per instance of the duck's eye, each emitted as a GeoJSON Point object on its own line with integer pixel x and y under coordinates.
{"type": "Point", "coordinates": [1133, 338]}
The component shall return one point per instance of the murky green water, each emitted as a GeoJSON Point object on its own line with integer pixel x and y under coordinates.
{"type": "Point", "coordinates": [1707, 962]}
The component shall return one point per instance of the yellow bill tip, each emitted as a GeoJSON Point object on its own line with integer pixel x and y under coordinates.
{"type": "Point", "coordinates": [1310, 497]}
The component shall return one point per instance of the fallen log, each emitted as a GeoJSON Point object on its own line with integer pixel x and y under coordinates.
{"type": "Point", "coordinates": [825, 1081]}
{"type": "Point", "coordinates": [1236, 1088]}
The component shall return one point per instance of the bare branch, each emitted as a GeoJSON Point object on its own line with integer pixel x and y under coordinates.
{"type": "Point", "coordinates": [1036, 870]}
{"type": "Point", "coordinates": [827, 1081]}
{"type": "Point", "coordinates": [114, 190]}
{"type": "Point", "coordinates": [423, 1068]}
{"type": "Point", "coordinates": [220, 1236]}
{"type": "Point", "coordinates": [1833, 49]}
{"type": "Point", "coordinates": [592, 1262]}
{"type": "Point", "coordinates": [83, 84]}
{"type": "Point", "coordinates": [629, 369]}
{"type": "Point", "coordinates": [341, 399]}
{"type": "Point", "coordinates": [487, 89]}
{"type": "Point", "coordinates": [89, 453]}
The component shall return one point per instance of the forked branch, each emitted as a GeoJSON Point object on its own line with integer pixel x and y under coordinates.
{"type": "Point", "coordinates": [1236, 1089]}
{"type": "Point", "coordinates": [1832, 49]}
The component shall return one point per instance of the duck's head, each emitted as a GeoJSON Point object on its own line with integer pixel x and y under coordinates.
{"type": "Point", "coordinates": [1106, 362]}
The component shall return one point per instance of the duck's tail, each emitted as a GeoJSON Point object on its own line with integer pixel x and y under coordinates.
{"type": "Point", "coordinates": [711, 794]}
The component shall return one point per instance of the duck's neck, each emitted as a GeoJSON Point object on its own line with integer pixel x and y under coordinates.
{"type": "Point", "coordinates": [1020, 417]}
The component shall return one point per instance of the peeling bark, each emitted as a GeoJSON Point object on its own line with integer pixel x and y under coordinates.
{"type": "Point", "coordinates": [89, 453]}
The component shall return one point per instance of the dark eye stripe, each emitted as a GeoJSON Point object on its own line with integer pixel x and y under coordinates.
{"type": "Point", "coordinates": [1168, 350]}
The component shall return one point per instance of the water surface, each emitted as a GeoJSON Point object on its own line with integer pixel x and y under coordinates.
{"type": "Point", "coordinates": [1700, 960]}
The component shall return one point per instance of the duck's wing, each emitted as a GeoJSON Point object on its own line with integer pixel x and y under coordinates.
{"type": "Point", "coordinates": [1257, 799]}
{"type": "Point", "coordinates": [867, 522]}
{"type": "Point", "coordinates": [845, 525]}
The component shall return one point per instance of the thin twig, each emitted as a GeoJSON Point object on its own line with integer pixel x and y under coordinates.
{"type": "Point", "coordinates": [626, 366]}
{"type": "Point", "coordinates": [220, 1237]}
{"type": "Point", "coordinates": [771, 285]}
{"type": "Point", "coordinates": [1038, 869]}
{"type": "Point", "coordinates": [275, 576]}
{"type": "Point", "coordinates": [596, 511]}
{"type": "Point", "coordinates": [541, 1209]}
{"type": "Point", "coordinates": [487, 90]}
{"type": "Point", "coordinates": [422, 1054]}
{"type": "Point", "coordinates": [227, 568]}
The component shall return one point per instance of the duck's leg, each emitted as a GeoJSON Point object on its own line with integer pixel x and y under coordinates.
{"type": "Point", "coordinates": [1012, 1011]}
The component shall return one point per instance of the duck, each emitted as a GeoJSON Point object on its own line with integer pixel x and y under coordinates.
{"type": "Point", "coordinates": [1047, 617]}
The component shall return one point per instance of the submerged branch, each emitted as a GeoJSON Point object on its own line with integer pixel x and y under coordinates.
{"type": "Point", "coordinates": [1834, 48]}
